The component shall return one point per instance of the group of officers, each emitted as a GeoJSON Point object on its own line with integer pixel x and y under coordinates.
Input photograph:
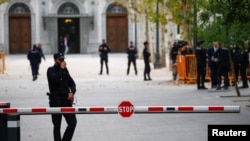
{"type": "Point", "coordinates": [132, 53]}
{"type": "Point", "coordinates": [221, 61]}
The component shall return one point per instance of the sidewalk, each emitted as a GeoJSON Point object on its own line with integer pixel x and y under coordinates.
{"type": "Point", "coordinates": [17, 87]}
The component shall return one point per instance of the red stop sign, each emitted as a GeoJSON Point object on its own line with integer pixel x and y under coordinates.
{"type": "Point", "coordinates": [126, 109]}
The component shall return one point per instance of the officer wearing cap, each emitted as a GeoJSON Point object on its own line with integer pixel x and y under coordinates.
{"type": "Point", "coordinates": [62, 90]}
{"type": "Point", "coordinates": [201, 59]}
{"type": "Point", "coordinates": [223, 66]}
{"type": "Point", "coordinates": [240, 60]}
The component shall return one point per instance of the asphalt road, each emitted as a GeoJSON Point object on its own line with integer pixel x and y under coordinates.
{"type": "Point", "coordinates": [17, 87]}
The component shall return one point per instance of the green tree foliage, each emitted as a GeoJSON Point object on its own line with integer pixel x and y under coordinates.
{"type": "Point", "coordinates": [3, 1]}
{"type": "Point", "coordinates": [231, 26]}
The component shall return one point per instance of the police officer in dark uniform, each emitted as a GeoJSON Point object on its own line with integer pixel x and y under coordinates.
{"type": "Point", "coordinates": [146, 58]}
{"type": "Point", "coordinates": [132, 52]}
{"type": "Point", "coordinates": [35, 58]}
{"type": "Point", "coordinates": [240, 60]}
{"type": "Point", "coordinates": [223, 66]}
{"type": "Point", "coordinates": [62, 90]}
{"type": "Point", "coordinates": [104, 49]}
{"type": "Point", "coordinates": [61, 45]}
{"type": "Point", "coordinates": [174, 52]}
{"type": "Point", "coordinates": [201, 59]}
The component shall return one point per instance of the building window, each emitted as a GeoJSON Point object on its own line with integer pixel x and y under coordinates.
{"type": "Point", "coordinates": [68, 8]}
{"type": "Point", "coordinates": [113, 8]}
{"type": "Point", "coordinates": [19, 8]}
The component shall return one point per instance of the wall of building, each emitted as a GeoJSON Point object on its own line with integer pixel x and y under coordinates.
{"type": "Point", "coordinates": [93, 25]}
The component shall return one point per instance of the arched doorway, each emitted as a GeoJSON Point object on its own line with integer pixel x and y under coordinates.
{"type": "Point", "coordinates": [117, 28]}
{"type": "Point", "coordinates": [68, 25]}
{"type": "Point", "coordinates": [19, 28]}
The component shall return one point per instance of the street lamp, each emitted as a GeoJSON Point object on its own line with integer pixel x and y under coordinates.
{"type": "Point", "coordinates": [157, 63]}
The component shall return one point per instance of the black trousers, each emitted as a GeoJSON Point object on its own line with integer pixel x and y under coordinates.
{"type": "Point", "coordinates": [213, 75]}
{"type": "Point", "coordinates": [57, 119]}
{"type": "Point", "coordinates": [131, 60]}
{"type": "Point", "coordinates": [223, 70]}
{"type": "Point", "coordinates": [201, 73]}
{"type": "Point", "coordinates": [34, 69]}
{"type": "Point", "coordinates": [147, 70]}
{"type": "Point", "coordinates": [104, 60]}
{"type": "Point", "coordinates": [242, 70]}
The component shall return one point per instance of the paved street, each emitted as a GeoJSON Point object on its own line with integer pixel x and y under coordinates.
{"type": "Point", "coordinates": [17, 87]}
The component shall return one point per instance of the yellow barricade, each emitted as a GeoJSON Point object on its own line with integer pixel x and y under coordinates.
{"type": "Point", "coordinates": [181, 68]}
{"type": "Point", "coordinates": [2, 62]}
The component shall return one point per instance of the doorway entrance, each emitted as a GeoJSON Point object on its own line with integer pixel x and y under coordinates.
{"type": "Point", "coordinates": [117, 28]}
{"type": "Point", "coordinates": [19, 29]}
{"type": "Point", "coordinates": [69, 27]}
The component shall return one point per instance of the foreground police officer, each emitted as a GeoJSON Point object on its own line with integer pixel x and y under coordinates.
{"type": "Point", "coordinates": [201, 59]}
{"type": "Point", "coordinates": [223, 66]}
{"type": "Point", "coordinates": [240, 60]}
{"type": "Point", "coordinates": [62, 90]}
{"type": "Point", "coordinates": [132, 52]}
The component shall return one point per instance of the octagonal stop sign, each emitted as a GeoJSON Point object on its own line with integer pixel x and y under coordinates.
{"type": "Point", "coordinates": [126, 109]}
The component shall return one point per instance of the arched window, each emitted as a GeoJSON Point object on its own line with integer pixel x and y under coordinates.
{"type": "Point", "coordinates": [19, 8]}
{"type": "Point", "coordinates": [114, 8]}
{"type": "Point", "coordinates": [68, 8]}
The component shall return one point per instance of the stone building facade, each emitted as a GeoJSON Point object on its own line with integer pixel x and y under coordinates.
{"type": "Point", "coordinates": [85, 23]}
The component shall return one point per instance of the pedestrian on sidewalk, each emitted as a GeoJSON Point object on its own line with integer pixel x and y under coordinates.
{"type": "Point", "coordinates": [62, 89]}
{"type": "Point", "coordinates": [61, 45]}
{"type": "Point", "coordinates": [146, 58]}
{"type": "Point", "coordinates": [34, 59]}
{"type": "Point", "coordinates": [132, 54]}
{"type": "Point", "coordinates": [40, 50]}
{"type": "Point", "coordinates": [104, 49]}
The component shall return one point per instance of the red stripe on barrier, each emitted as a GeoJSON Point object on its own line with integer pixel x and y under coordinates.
{"type": "Point", "coordinates": [215, 108]}
{"type": "Point", "coordinates": [96, 109]}
{"type": "Point", "coordinates": [155, 109]}
{"type": "Point", "coordinates": [10, 110]}
{"type": "Point", "coordinates": [68, 109]}
{"type": "Point", "coordinates": [185, 108]}
{"type": "Point", "coordinates": [39, 110]}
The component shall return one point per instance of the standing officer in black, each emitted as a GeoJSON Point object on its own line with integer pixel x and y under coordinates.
{"type": "Point", "coordinates": [146, 57]}
{"type": "Point", "coordinates": [132, 52]}
{"type": "Point", "coordinates": [223, 66]}
{"type": "Point", "coordinates": [240, 60]}
{"type": "Point", "coordinates": [34, 58]}
{"type": "Point", "coordinates": [104, 50]}
{"type": "Point", "coordinates": [201, 59]}
{"type": "Point", "coordinates": [62, 90]}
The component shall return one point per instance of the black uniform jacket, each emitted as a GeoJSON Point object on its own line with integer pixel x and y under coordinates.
{"type": "Point", "coordinates": [146, 55]}
{"type": "Point", "coordinates": [104, 49]}
{"type": "Point", "coordinates": [132, 52]}
{"type": "Point", "coordinates": [34, 56]}
{"type": "Point", "coordinates": [60, 81]}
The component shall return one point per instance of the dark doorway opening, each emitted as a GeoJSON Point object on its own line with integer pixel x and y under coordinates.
{"type": "Point", "coordinates": [69, 27]}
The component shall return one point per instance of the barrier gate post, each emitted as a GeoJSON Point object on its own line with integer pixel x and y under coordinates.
{"type": "Point", "coordinates": [3, 122]}
{"type": "Point", "coordinates": [14, 128]}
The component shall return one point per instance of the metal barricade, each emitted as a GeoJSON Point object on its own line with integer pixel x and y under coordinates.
{"type": "Point", "coordinates": [187, 69]}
